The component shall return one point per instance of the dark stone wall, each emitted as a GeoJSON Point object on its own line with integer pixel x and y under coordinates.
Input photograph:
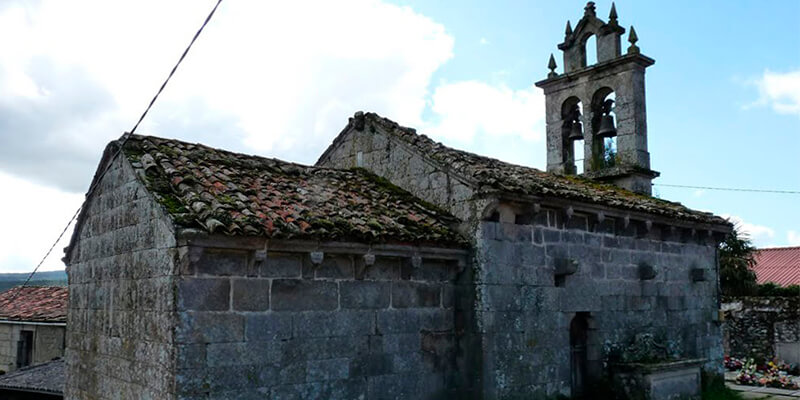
{"type": "Point", "coordinates": [525, 312]}
{"type": "Point", "coordinates": [121, 311]}
{"type": "Point", "coordinates": [285, 328]}
{"type": "Point", "coordinates": [762, 327]}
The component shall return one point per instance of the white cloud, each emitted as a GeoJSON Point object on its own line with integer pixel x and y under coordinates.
{"type": "Point", "coordinates": [793, 238]}
{"type": "Point", "coordinates": [759, 234]}
{"type": "Point", "coordinates": [471, 108]}
{"type": "Point", "coordinates": [282, 79]}
{"type": "Point", "coordinates": [781, 91]}
{"type": "Point", "coordinates": [483, 41]}
{"type": "Point", "coordinates": [33, 216]}
{"type": "Point", "coordinates": [269, 78]}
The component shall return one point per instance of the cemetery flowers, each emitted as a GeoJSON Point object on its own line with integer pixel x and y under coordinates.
{"type": "Point", "coordinates": [775, 374]}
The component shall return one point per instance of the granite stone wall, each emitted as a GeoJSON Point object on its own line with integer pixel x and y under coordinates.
{"type": "Point", "coordinates": [48, 343]}
{"type": "Point", "coordinates": [376, 150]}
{"type": "Point", "coordinates": [121, 305]}
{"type": "Point", "coordinates": [526, 305]}
{"type": "Point", "coordinates": [343, 326]}
{"type": "Point", "coordinates": [763, 327]}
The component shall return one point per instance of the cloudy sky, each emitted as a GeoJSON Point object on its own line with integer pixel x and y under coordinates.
{"type": "Point", "coordinates": [281, 78]}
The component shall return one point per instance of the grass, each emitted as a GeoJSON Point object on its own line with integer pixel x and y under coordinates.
{"type": "Point", "coordinates": [721, 392]}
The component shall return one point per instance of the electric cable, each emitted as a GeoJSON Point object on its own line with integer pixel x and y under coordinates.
{"type": "Point", "coordinates": [124, 140]}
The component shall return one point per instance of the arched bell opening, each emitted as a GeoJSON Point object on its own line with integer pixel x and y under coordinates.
{"type": "Point", "coordinates": [572, 135]}
{"type": "Point", "coordinates": [604, 143]}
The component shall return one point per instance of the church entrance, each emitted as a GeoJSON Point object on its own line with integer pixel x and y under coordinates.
{"type": "Point", "coordinates": [578, 333]}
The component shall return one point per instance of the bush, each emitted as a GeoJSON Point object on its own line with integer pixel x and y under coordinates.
{"type": "Point", "coordinates": [772, 289]}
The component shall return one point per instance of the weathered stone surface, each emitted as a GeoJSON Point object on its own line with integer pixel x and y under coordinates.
{"type": "Point", "coordinates": [415, 294]}
{"type": "Point", "coordinates": [282, 265]}
{"type": "Point", "coordinates": [251, 294]}
{"type": "Point", "coordinates": [204, 294]}
{"type": "Point", "coordinates": [222, 262]}
{"type": "Point", "coordinates": [304, 295]}
{"type": "Point", "coordinates": [365, 294]}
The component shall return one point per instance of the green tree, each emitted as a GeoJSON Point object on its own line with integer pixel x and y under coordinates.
{"type": "Point", "coordinates": [736, 261]}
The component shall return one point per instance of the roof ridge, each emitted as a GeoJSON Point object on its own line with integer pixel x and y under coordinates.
{"type": "Point", "coordinates": [779, 248]}
{"type": "Point", "coordinates": [500, 176]}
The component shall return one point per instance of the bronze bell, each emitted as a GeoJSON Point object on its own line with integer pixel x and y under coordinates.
{"type": "Point", "coordinates": [576, 131]}
{"type": "Point", "coordinates": [607, 129]}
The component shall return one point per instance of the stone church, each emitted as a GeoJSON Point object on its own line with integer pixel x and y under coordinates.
{"type": "Point", "coordinates": [397, 267]}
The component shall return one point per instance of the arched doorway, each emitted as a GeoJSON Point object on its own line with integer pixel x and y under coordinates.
{"type": "Point", "coordinates": [578, 335]}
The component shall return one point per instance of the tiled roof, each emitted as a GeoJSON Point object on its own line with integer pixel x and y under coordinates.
{"type": "Point", "coordinates": [236, 194]}
{"type": "Point", "coordinates": [41, 378]}
{"type": "Point", "coordinates": [780, 265]}
{"type": "Point", "coordinates": [35, 303]}
{"type": "Point", "coordinates": [495, 176]}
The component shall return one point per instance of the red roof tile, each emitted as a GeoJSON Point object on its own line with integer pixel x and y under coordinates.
{"type": "Point", "coordinates": [35, 303]}
{"type": "Point", "coordinates": [237, 194]}
{"type": "Point", "coordinates": [780, 265]}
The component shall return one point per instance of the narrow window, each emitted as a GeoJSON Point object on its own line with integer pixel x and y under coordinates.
{"type": "Point", "coordinates": [24, 349]}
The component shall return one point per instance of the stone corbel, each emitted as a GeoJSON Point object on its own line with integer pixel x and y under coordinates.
{"type": "Point", "coordinates": [361, 268]}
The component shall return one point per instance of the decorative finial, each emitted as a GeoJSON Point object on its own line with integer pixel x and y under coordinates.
{"type": "Point", "coordinates": [612, 16]}
{"type": "Point", "coordinates": [589, 9]}
{"type": "Point", "coordinates": [552, 67]}
{"type": "Point", "coordinates": [632, 38]}
{"type": "Point", "coordinates": [569, 29]}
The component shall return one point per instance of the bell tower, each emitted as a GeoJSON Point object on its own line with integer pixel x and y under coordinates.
{"type": "Point", "coordinates": [599, 108]}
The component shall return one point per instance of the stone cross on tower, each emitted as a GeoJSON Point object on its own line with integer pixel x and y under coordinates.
{"type": "Point", "coordinates": [600, 107]}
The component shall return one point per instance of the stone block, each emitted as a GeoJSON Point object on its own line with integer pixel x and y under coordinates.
{"type": "Point", "coordinates": [415, 294]}
{"type": "Point", "coordinates": [395, 343]}
{"type": "Point", "coordinates": [302, 295]}
{"type": "Point", "coordinates": [333, 390]}
{"type": "Point", "coordinates": [364, 294]}
{"type": "Point", "coordinates": [370, 365]}
{"type": "Point", "coordinates": [327, 370]}
{"type": "Point", "coordinates": [269, 326]}
{"type": "Point", "coordinates": [282, 265]}
{"type": "Point", "coordinates": [384, 268]}
{"type": "Point", "coordinates": [436, 270]}
{"type": "Point", "coordinates": [551, 235]}
{"type": "Point", "coordinates": [204, 294]}
{"type": "Point", "coordinates": [336, 266]}
{"type": "Point", "coordinates": [398, 321]}
{"type": "Point", "coordinates": [341, 323]}
{"type": "Point", "coordinates": [501, 297]}
{"type": "Point", "coordinates": [221, 263]}
{"type": "Point", "coordinates": [251, 294]}
{"type": "Point", "coordinates": [206, 327]}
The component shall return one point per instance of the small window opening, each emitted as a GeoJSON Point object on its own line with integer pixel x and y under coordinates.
{"type": "Point", "coordinates": [560, 280]}
{"type": "Point", "coordinates": [24, 349]}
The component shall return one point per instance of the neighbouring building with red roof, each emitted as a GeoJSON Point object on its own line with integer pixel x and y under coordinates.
{"type": "Point", "coordinates": [780, 265]}
{"type": "Point", "coordinates": [32, 325]}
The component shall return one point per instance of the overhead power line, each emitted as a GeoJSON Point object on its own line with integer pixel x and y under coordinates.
{"type": "Point", "coordinates": [730, 189]}
{"type": "Point", "coordinates": [125, 138]}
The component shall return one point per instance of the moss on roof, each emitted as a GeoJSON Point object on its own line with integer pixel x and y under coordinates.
{"type": "Point", "coordinates": [492, 176]}
{"type": "Point", "coordinates": [236, 194]}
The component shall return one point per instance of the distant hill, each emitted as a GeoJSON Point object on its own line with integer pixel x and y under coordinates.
{"type": "Point", "coordinates": [44, 278]}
